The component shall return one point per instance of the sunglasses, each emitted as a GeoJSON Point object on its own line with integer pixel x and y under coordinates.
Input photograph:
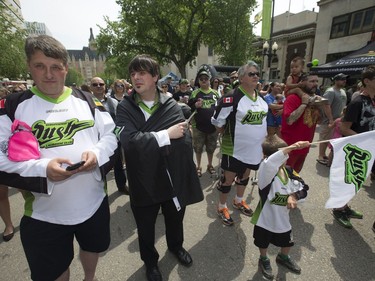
{"type": "Point", "coordinates": [203, 79]}
{"type": "Point", "coordinates": [252, 74]}
{"type": "Point", "coordinates": [98, 84]}
{"type": "Point", "coordinates": [119, 85]}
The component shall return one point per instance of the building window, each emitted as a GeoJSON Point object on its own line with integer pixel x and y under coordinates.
{"type": "Point", "coordinates": [369, 20]}
{"type": "Point", "coordinates": [274, 74]}
{"type": "Point", "coordinates": [340, 26]}
{"type": "Point", "coordinates": [353, 23]}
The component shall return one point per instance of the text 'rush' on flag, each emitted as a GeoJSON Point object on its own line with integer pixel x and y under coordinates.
{"type": "Point", "coordinates": [352, 162]}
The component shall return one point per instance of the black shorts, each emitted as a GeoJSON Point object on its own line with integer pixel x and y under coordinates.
{"type": "Point", "coordinates": [49, 247]}
{"type": "Point", "coordinates": [229, 163]}
{"type": "Point", "coordinates": [263, 237]}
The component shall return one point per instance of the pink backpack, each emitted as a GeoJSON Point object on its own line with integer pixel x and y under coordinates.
{"type": "Point", "coordinates": [22, 144]}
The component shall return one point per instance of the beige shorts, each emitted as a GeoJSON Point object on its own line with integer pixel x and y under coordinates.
{"type": "Point", "coordinates": [200, 139]}
{"type": "Point", "coordinates": [325, 132]}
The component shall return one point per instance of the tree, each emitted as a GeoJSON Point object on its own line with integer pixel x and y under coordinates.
{"type": "Point", "coordinates": [173, 31]}
{"type": "Point", "coordinates": [73, 76]}
{"type": "Point", "coordinates": [12, 40]}
{"type": "Point", "coordinates": [230, 35]}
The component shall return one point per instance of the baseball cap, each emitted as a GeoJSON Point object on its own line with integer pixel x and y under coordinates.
{"type": "Point", "coordinates": [340, 76]}
{"type": "Point", "coordinates": [184, 81]}
{"type": "Point", "coordinates": [203, 73]}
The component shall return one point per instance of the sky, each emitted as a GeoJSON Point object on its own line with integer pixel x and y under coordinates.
{"type": "Point", "coordinates": [70, 21]}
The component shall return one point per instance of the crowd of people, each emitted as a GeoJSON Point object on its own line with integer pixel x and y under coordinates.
{"type": "Point", "coordinates": [265, 129]}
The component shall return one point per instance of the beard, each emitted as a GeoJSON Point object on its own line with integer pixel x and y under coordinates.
{"type": "Point", "coordinates": [309, 91]}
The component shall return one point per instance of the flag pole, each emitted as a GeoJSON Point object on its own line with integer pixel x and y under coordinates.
{"type": "Point", "coordinates": [315, 142]}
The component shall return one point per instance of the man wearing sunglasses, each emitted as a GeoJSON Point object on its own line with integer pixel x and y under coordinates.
{"type": "Point", "coordinates": [240, 116]}
{"type": "Point", "coordinates": [97, 87]}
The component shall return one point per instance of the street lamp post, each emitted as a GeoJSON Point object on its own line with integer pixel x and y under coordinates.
{"type": "Point", "coordinates": [269, 53]}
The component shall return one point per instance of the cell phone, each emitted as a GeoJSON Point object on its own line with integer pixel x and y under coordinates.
{"type": "Point", "coordinates": [75, 166]}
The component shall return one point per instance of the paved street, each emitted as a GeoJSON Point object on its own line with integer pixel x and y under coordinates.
{"type": "Point", "coordinates": [324, 250]}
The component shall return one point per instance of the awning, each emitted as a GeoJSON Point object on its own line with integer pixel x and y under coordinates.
{"type": "Point", "coordinates": [352, 64]}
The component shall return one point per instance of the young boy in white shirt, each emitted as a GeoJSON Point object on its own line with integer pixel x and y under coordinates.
{"type": "Point", "coordinates": [279, 188]}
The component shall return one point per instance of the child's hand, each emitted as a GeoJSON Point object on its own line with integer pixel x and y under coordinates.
{"type": "Point", "coordinates": [297, 145]}
{"type": "Point", "coordinates": [292, 202]}
{"type": "Point", "coordinates": [301, 144]}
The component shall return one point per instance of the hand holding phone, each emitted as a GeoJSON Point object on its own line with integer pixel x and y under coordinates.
{"type": "Point", "coordinates": [75, 166]}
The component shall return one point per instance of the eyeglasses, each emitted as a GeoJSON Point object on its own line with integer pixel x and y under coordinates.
{"type": "Point", "coordinates": [97, 84]}
{"type": "Point", "coordinates": [203, 79]}
{"type": "Point", "coordinates": [119, 85]}
{"type": "Point", "coordinates": [252, 74]}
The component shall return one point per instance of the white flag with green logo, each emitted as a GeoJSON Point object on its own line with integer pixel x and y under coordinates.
{"type": "Point", "coordinates": [352, 162]}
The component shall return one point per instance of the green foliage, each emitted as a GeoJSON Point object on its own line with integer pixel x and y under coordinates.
{"type": "Point", "coordinates": [173, 31]}
{"type": "Point", "coordinates": [12, 39]}
{"type": "Point", "coordinates": [73, 76]}
{"type": "Point", "coordinates": [230, 34]}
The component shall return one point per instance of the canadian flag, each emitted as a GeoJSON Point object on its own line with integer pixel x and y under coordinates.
{"type": "Point", "coordinates": [228, 100]}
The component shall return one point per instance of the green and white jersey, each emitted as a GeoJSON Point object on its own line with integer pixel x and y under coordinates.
{"type": "Point", "coordinates": [65, 128]}
{"type": "Point", "coordinates": [272, 212]}
{"type": "Point", "coordinates": [244, 119]}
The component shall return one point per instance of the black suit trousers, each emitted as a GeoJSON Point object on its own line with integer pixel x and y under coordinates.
{"type": "Point", "coordinates": [145, 218]}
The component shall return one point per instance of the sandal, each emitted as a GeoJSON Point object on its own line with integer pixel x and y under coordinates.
{"type": "Point", "coordinates": [211, 169]}
{"type": "Point", "coordinates": [199, 172]}
{"type": "Point", "coordinates": [322, 161]}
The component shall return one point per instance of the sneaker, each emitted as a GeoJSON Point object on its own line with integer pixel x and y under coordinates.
{"type": "Point", "coordinates": [265, 267]}
{"type": "Point", "coordinates": [288, 263]}
{"type": "Point", "coordinates": [243, 207]}
{"type": "Point", "coordinates": [342, 217]}
{"type": "Point", "coordinates": [225, 216]}
{"type": "Point", "coordinates": [353, 214]}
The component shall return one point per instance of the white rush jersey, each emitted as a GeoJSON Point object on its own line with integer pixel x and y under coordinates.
{"type": "Point", "coordinates": [245, 124]}
{"type": "Point", "coordinates": [271, 212]}
{"type": "Point", "coordinates": [65, 129]}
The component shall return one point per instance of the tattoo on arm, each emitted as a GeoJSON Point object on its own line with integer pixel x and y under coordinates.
{"type": "Point", "coordinates": [293, 117]}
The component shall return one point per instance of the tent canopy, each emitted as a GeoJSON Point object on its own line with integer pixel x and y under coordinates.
{"type": "Point", "coordinates": [352, 64]}
{"type": "Point", "coordinates": [170, 74]}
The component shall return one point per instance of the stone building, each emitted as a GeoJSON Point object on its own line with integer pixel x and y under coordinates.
{"type": "Point", "coordinates": [294, 35]}
{"type": "Point", "coordinates": [343, 26]}
{"type": "Point", "coordinates": [87, 61]}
